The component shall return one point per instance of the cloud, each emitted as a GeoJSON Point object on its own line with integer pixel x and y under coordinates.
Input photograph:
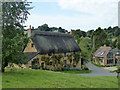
{"type": "Point", "coordinates": [69, 22]}
{"type": "Point", "coordinates": [91, 6]}
{"type": "Point", "coordinates": [102, 13]}
{"type": "Point", "coordinates": [42, 0]}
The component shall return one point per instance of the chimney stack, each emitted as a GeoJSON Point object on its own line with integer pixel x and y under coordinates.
{"type": "Point", "coordinates": [29, 31]}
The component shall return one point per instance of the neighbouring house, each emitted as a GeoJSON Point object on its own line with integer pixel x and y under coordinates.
{"type": "Point", "coordinates": [106, 56]}
{"type": "Point", "coordinates": [52, 51]}
{"type": "Point", "coordinates": [116, 54]}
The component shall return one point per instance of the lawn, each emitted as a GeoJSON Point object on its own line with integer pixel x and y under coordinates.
{"type": "Point", "coordinates": [26, 78]}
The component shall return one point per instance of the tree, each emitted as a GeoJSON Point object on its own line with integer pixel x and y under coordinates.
{"type": "Point", "coordinates": [83, 33]}
{"type": "Point", "coordinates": [14, 39]}
{"type": "Point", "coordinates": [90, 33]}
{"type": "Point", "coordinates": [61, 30]}
{"type": "Point", "coordinates": [99, 38]}
{"type": "Point", "coordinates": [44, 27]}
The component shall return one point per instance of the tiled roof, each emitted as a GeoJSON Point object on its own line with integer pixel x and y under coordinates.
{"type": "Point", "coordinates": [102, 51]}
{"type": "Point", "coordinates": [116, 52]}
{"type": "Point", "coordinates": [29, 55]}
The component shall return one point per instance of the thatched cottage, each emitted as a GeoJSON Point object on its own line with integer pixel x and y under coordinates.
{"type": "Point", "coordinates": [52, 50]}
{"type": "Point", "coordinates": [106, 56]}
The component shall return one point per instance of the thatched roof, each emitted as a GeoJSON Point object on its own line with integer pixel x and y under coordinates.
{"type": "Point", "coordinates": [53, 42]}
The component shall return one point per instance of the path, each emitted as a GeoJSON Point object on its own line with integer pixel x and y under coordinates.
{"type": "Point", "coordinates": [97, 71]}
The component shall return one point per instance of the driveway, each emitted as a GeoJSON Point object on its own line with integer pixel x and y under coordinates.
{"type": "Point", "coordinates": [97, 71]}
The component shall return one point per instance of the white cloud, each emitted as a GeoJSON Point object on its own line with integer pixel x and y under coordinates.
{"type": "Point", "coordinates": [103, 13]}
{"type": "Point", "coordinates": [90, 6]}
{"type": "Point", "coordinates": [42, 0]}
{"type": "Point", "coordinates": [69, 22]}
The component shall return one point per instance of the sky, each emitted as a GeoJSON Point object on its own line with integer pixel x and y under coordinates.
{"type": "Point", "coordinates": [74, 14]}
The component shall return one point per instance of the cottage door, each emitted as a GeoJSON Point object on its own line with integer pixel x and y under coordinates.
{"type": "Point", "coordinates": [42, 66]}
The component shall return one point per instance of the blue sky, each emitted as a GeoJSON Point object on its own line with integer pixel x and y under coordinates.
{"type": "Point", "coordinates": [74, 14]}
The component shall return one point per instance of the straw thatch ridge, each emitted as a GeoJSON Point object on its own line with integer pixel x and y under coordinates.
{"type": "Point", "coordinates": [54, 42]}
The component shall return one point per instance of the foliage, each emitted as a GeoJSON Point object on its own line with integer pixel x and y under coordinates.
{"type": "Point", "coordinates": [95, 39]}
{"type": "Point", "coordinates": [57, 61]}
{"type": "Point", "coordinates": [14, 40]}
{"type": "Point", "coordinates": [79, 33]}
{"type": "Point", "coordinates": [70, 58]}
{"type": "Point", "coordinates": [86, 46]}
{"type": "Point", "coordinates": [90, 33]}
{"type": "Point", "coordinates": [118, 70]}
{"type": "Point", "coordinates": [99, 37]}
{"type": "Point", "coordinates": [45, 27]}
{"type": "Point", "coordinates": [97, 64]}
{"type": "Point", "coordinates": [77, 57]}
{"type": "Point", "coordinates": [84, 67]}
{"type": "Point", "coordinates": [118, 42]}
{"type": "Point", "coordinates": [46, 59]}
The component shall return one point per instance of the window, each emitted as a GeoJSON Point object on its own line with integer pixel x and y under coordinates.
{"type": "Point", "coordinates": [73, 52]}
{"type": "Point", "coordinates": [109, 61]}
{"type": "Point", "coordinates": [117, 53]}
{"type": "Point", "coordinates": [49, 54]}
{"type": "Point", "coordinates": [102, 53]}
{"type": "Point", "coordinates": [50, 63]}
{"type": "Point", "coordinates": [65, 62]}
{"type": "Point", "coordinates": [74, 65]}
{"type": "Point", "coordinates": [42, 66]}
{"type": "Point", "coordinates": [32, 45]}
{"type": "Point", "coordinates": [110, 55]}
{"type": "Point", "coordinates": [98, 53]}
{"type": "Point", "coordinates": [30, 66]}
{"type": "Point", "coordinates": [64, 54]}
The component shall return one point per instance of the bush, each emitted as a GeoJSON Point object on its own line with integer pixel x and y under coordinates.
{"type": "Point", "coordinates": [84, 67]}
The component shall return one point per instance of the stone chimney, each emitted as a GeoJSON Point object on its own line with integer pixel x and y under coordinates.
{"type": "Point", "coordinates": [29, 31]}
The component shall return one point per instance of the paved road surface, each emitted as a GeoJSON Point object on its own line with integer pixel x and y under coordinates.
{"type": "Point", "coordinates": [97, 71]}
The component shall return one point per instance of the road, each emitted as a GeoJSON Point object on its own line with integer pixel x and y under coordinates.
{"type": "Point", "coordinates": [97, 71]}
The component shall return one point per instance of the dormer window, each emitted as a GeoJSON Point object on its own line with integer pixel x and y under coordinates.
{"type": "Point", "coordinates": [73, 52]}
{"type": "Point", "coordinates": [117, 53]}
{"type": "Point", "coordinates": [32, 45]}
{"type": "Point", "coordinates": [49, 54]}
{"type": "Point", "coordinates": [102, 53]}
{"type": "Point", "coordinates": [64, 54]}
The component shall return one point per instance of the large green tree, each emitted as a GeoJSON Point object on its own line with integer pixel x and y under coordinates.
{"type": "Point", "coordinates": [99, 38]}
{"type": "Point", "coordinates": [14, 39]}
